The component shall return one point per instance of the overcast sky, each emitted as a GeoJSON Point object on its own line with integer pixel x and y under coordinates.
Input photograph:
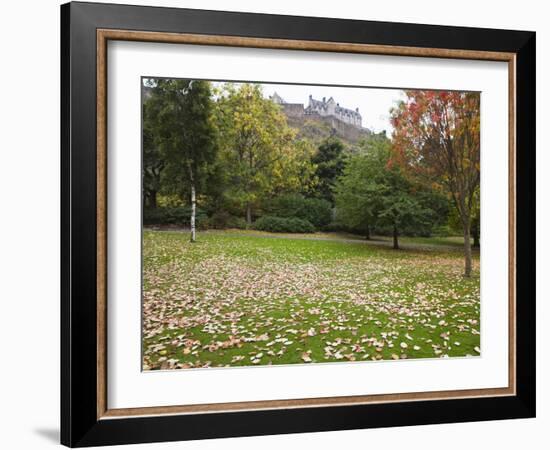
{"type": "Point", "coordinates": [374, 104]}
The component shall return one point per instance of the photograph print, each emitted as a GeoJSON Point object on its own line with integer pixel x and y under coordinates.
{"type": "Point", "coordinates": [307, 224]}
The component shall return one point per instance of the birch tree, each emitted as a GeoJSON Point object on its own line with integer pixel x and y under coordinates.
{"type": "Point", "coordinates": [182, 127]}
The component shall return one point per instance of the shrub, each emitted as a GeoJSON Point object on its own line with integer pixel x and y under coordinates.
{"type": "Point", "coordinates": [237, 222]}
{"type": "Point", "coordinates": [335, 226]}
{"type": "Point", "coordinates": [316, 211]}
{"type": "Point", "coordinates": [222, 219]}
{"type": "Point", "coordinates": [283, 225]}
{"type": "Point", "coordinates": [180, 215]}
{"type": "Point", "coordinates": [444, 231]}
{"type": "Point", "coordinates": [288, 205]}
{"type": "Point", "coordinates": [155, 216]}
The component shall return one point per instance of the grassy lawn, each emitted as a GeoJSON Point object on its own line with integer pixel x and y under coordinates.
{"type": "Point", "coordinates": [248, 298]}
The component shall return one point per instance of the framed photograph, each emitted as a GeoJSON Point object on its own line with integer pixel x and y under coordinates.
{"type": "Point", "coordinates": [276, 224]}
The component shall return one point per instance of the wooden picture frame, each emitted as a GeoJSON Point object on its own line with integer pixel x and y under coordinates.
{"type": "Point", "coordinates": [86, 418]}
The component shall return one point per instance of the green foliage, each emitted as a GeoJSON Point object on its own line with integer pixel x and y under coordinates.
{"type": "Point", "coordinates": [169, 200]}
{"type": "Point", "coordinates": [373, 193]}
{"type": "Point", "coordinates": [329, 164]}
{"type": "Point", "coordinates": [178, 118]}
{"type": "Point", "coordinates": [259, 151]}
{"type": "Point", "coordinates": [357, 192]}
{"type": "Point", "coordinates": [152, 159]}
{"type": "Point", "coordinates": [236, 148]}
{"type": "Point", "coordinates": [221, 220]}
{"type": "Point", "coordinates": [179, 215]}
{"type": "Point", "coordinates": [315, 210]}
{"type": "Point", "coordinates": [275, 224]}
{"type": "Point", "coordinates": [288, 205]}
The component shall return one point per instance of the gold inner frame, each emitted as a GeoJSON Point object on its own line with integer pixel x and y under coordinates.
{"type": "Point", "coordinates": [103, 36]}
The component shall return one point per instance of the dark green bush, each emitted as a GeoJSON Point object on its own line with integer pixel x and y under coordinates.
{"type": "Point", "coordinates": [221, 220]}
{"type": "Point", "coordinates": [155, 216]}
{"type": "Point", "coordinates": [237, 222]}
{"type": "Point", "coordinates": [335, 226]}
{"type": "Point", "coordinates": [283, 225]}
{"type": "Point", "coordinates": [288, 205]}
{"type": "Point", "coordinates": [316, 211]}
{"type": "Point", "coordinates": [180, 215]}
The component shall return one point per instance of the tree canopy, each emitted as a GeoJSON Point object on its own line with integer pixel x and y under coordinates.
{"type": "Point", "coordinates": [225, 155]}
{"type": "Point", "coordinates": [259, 150]}
{"type": "Point", "coordinates": [373, 192]}
{"type": "Point", "coordinates": [329, 164]}
{"type": "Point", "coordinates": [178, 116]}
{"type": "Point", "coordinates": [437, 139]}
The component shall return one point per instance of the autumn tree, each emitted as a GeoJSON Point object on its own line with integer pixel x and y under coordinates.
{"type": "Point", "coordinates": [436, 137]}
{"type": "Point", "coordinates": [179, 119]}
{"type": "Point", "coordinates": [260, 151]}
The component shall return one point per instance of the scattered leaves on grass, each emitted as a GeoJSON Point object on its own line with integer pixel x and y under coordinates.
{"type": "Point", "coordinates": [241, 300]}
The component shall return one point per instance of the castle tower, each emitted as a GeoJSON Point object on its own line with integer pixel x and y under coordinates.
{"type": "Point", "coordinates": [276, 98]}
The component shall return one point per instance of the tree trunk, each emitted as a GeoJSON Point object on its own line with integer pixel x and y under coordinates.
{"type": "Point", "coordinates": [395, 238]}
{"type": "Point", "coordinates": [475, 232]}
{"type": "Point", "coordinates": [467, 249]}
{"type": "Point", "coordinates": [153, 199]}
{"type": "Point", "coordinates": [367, 233]}
{"type": "Point", "coordinates": [248, 215]}
{"type": "Point", "coordinates": [193, 212]}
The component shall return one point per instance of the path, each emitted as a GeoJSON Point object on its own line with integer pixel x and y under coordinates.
{"type": "Point", "coordinates": [377, 241]}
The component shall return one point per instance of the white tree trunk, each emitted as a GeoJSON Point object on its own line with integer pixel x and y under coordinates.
{"type": "Point", "coordinates": [193, 212]}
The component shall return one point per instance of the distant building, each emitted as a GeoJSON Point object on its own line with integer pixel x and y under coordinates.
{"type": "Point", "coordinates": [322, 108]}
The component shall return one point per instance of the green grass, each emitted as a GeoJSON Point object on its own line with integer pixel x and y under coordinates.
{"type": "Point", "coordinates": [248, 298]}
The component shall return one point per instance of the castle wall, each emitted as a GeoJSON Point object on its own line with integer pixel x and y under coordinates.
{"type": "Point", "coordinates": [347, 131]}
{"type": "Point", "coordinates": [293, 109]}
{"type": "Point", "coordinates": [344, 122]}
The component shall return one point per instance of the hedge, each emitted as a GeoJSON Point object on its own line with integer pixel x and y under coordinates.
{"type": "Point", "coordinates": [315, 210]}
{"type": "Point", "coordinates": [283, 225]}
{"type": "Point", "coordinates": [180, 215]}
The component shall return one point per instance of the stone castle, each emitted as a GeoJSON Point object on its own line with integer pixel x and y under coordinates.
{"type": "Point", "coordinates": [341, 122]}
{"type": "Point", "coordinates": [320, 108]}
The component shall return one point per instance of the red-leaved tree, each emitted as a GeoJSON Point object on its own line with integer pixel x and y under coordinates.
{"type": "Point", "coordinates": [436, 138]}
